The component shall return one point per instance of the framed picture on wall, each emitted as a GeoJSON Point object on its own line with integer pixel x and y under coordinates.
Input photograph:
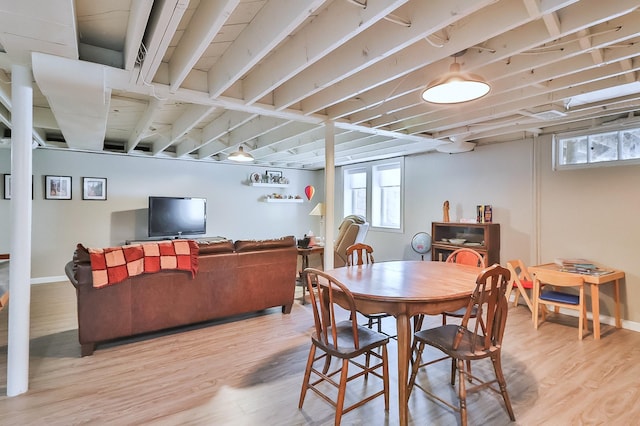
{"type": "Point", "coordinates": [94, 188]}
{"type": "Point", "coordinates": [57, 187]}
{"type": "Point", "coordinates": [7, 187]}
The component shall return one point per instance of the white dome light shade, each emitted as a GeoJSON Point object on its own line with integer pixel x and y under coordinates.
{"type": "Point", "coordinates": [456, 147]}
{"type": "Point", "coordinates": [455, 87]}
{"type": "Point", "coordinates": [240, 156]}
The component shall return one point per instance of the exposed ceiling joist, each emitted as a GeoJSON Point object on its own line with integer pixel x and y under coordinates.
{"type": "Point", "coordinates": [195, 79]}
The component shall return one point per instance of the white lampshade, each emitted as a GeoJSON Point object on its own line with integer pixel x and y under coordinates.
{"type": "Point", "coordinates": [241, 156]}
{"type": "Point", "coordinates": [455, 87]}
{"type": "Point", "coordinates": [318, 210]}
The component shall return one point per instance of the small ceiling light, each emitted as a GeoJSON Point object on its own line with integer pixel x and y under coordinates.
{"type": "Point", "coordinates": [456, 147]}
{"type": "Point", "coordinates": [455, 86]}
{"type": "Point", "coordinates": [240, 156]}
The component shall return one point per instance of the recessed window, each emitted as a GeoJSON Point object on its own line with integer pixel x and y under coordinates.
{"type": "Point", "coordinates": [604, 148]}
{"type": "Point", "coordinates": [355, 192]}
{"type": "Point", "coordinates": [374, 190]}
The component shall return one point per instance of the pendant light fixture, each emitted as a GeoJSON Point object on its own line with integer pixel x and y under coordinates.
{"type": "Point", "coordinates": [240, 156]}
{"type": "Point", "coordinates": [455, 86]}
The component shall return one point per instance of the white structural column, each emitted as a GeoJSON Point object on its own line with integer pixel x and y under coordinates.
{"type": "Point", "coordinates": [20, 263]}
{"type": "Point", "coordinates": [329, 191]}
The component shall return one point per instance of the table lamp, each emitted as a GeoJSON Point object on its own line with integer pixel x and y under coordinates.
{"type": "Point", "coordinates": [318, 210]}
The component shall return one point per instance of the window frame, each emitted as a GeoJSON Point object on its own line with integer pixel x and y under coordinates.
{"type": "Point", "coordinates": [371, 169]}
{"type": "Point", "coordinates": [558, 138]}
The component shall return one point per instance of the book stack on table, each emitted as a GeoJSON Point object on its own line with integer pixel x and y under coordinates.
{"type": "Point", "coordinates": [580, 266]}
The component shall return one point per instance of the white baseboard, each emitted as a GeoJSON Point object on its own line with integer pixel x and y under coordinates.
{"type": "Point", "coordinates": [604, 319]}
{"type": "Point", "coordinates": [46, 280]}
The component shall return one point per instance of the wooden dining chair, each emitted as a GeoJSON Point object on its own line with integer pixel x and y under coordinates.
{"type": "Point", "coordinates": [362, 254]}
{"type": "Point", "coordinates": [345, 340]}
{"type": "Point", "coordinates": [521, 281]}
{"type": "Point", "coordinates": [468, 342]}
{"type": "Point", "coordinates": [464, 256]}
{"type": "Point", "coordinates": [545, 292]}
{"type": "Point", "coordinates": [359, 254]}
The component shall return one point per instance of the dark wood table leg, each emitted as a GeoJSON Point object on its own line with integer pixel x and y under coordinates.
{"type": "Point", "coordinates": [303, 276]}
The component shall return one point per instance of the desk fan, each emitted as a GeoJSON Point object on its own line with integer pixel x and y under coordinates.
{"type": "Point", "coordinates": [421, 243]}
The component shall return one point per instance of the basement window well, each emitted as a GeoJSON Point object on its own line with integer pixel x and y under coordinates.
{"type": "Point", "coordinates": [617, 147]}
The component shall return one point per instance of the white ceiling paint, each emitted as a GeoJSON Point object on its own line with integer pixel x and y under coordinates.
{"type": "Point", "coordinates": [196, 79]}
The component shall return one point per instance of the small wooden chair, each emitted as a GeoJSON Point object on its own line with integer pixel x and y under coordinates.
{"type": "Point", "coordinates": [359, 254]}
{"type": "Point", "coordinates": [465, 256]}
{"type": "Point", "coordinates": [468, 342]}
{"type": "Point", "coordinates": [520, 281]}
{"type": "Point", "coordinates": [345, 340]}
{"type": "Point", "coordinates": [362, 254]}
{"type": "Point", "coordinates": [544, 296]}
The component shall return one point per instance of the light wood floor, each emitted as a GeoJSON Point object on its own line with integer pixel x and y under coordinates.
{"type": "Point", "coordinates": [249, 371]}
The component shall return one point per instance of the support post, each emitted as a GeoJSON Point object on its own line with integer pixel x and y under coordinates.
{"type": "Point", "coordinates": [20, 263]}
{"type": "Point", "coordinates": [329, 191]}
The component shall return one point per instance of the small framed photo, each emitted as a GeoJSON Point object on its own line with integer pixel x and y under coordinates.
{"type": "Point", "coordinates": [7, 187]}
{"type": "Point", "coordinates": [94, 188]}
{"type": "Point", "coordinates": [274, 176]}
{"type": "Point", "coordinates": [57, 187]}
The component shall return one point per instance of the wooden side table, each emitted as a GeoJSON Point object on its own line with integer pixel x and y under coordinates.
{"type": "Point", "coordinates": [304, 254]}
{"type": "Point", "coordinates": [4, 280]}
{"type": "Point", "coordinates": [595, 281]}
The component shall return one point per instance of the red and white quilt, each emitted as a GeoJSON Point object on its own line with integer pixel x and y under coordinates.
{"type": "Point", "coordinates": [115, 264]}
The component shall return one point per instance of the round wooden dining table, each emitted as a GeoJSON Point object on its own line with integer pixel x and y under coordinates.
{"type": "Point", "coordinates": [404, 289]}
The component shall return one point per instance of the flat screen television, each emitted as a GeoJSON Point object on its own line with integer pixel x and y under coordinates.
{"type": "Point", "coordinates": [177, 216]}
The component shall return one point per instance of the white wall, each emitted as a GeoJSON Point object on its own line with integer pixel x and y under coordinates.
{"type": "Point", "coordinates": [500, 175]}
{"type": "Point", "coordinates": [591, 213]}
{"type": "Point", "coordinates": [234, 209]}
{"type": "Point", "coordinates": [542, 214]}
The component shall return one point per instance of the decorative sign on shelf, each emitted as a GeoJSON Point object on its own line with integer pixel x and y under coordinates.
{"type": "Point", "coordinates": [269, 176]}
{"type": "Point", "coordinates": [276, 196]}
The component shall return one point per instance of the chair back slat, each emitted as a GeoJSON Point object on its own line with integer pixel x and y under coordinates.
{"type": "Point", "coordinates": [490, 304]}
{"type": "Point", "coordinates": [466, 256]}
{"type": "Point", "coordinates": [558, 278]}
{"type": "Point", "coordinates": [359, 254]}
{"type": "Point", "coordinates": [518, 270]}
{"type": "Point", "coordinates": [324, 299]}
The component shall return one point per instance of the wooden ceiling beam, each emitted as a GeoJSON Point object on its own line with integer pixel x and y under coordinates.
{"type": "Point", "coordinates": [314, 42]}
{"type": "Point", "coordinates": [206, 23]}
{"type": "Point", "coordinates": [274, 23]}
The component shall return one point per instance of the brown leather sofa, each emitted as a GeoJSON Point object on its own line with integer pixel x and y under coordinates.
{"type": "Point", "coordinates": [232, 278]}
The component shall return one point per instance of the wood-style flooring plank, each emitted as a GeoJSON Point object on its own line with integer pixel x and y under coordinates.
{"type": "Point", "coordinates": [248, 371]}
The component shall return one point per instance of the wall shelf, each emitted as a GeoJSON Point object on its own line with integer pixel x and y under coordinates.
{"type": "Point", "coordinates": [283, 200]}
{"type": "Point", "coordinates": [269, 185]}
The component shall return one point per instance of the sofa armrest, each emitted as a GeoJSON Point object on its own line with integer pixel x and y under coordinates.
{"type": "Point", "coordinates": [69, 270]}
{"type": "Point", "coordinates": [79, 274]}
